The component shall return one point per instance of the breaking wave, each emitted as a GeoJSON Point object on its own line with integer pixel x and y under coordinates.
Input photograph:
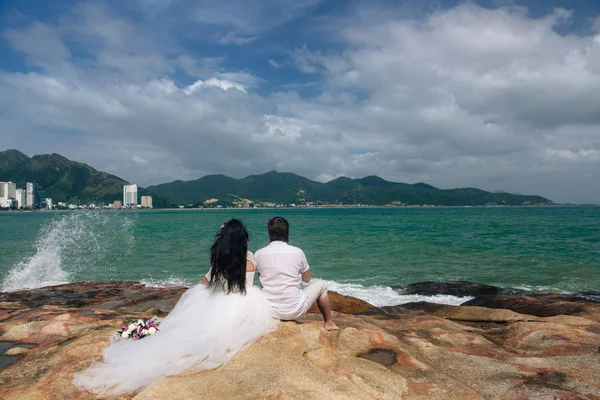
{"type": "Point", "coordinates": [70, 245]}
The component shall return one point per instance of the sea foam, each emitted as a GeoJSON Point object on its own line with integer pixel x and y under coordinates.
{"type": "Point", "coordinates": [171, 281]}
{"type": "Point", "coordinates": [381, 296]}
{"type": "Point", "coordinates": [378, 296]}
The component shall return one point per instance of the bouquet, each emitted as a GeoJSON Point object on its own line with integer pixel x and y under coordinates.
{"type": "Point", "coordinates": [138, 329]}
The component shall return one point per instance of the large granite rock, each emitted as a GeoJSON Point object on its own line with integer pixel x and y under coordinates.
{"type": "Point", "coordinates": [538, 305]}
{"type": "Point", "coordinates": [453, 288]}
{"type": "Point", "coordinates": [416, 351]}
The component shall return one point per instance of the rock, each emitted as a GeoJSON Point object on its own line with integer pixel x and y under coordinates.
{"type": "Point", "coordinates": [314, 355]}
{"type": "Point", "coordinates": [343, 304]}
{"type": "Point", "coordinates": [593, 296]}
{"type": "Point", "coordinates": [414, 351]}
{"type": "Point", "coordinates": [16, 351]}
{"type": "Point", "coordinates": [373, 379]}
{"type": "Point", "coordinates": [457, 288]}
{"type": "Point", "coordinates": [547, 338]}
{"type": "Point", "coordinates": [462, 313]}
{"type": "Point", "coordinates": [83, 294]}
{"type": "Point", "coordinates": [354, 342]}
{"type": "Point", "coordinates": [539, 306]}
{"type": "Point", "coordinates": [55, 329]}
{"type": "Point", "coordinates": [63, 317]}
{"type": "Point", "coordinates": [382, 356]}
{"type": "Point", "coordinates": [20, 331]}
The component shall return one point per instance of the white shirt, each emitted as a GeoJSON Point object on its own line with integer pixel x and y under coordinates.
{"type": "Point", "coordinates": [280, 267]}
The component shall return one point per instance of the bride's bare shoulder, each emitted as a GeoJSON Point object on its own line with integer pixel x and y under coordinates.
{"type": "Point", "coordinates": [250, 261]}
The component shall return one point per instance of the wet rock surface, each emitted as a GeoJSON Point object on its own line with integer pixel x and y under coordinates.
{"type": "Point", "coordinates": [523, 347]}
{"type": "Point", "coordinates": [483, 292]}
{"type": "Point", "coordinates": [538, 305]}
{"type": "Point", "coordinates": [457, 288]}
{"type": "Point", "coordinates": [385, 357]}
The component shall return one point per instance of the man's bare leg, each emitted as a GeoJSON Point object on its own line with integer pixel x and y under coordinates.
{"type": "Point", "coordinates": [325, 308]}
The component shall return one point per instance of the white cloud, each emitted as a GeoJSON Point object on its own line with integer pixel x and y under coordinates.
{"type": "Point", "coordinates": [214, 82]}
{"type": "Point", "coordinates": [465, 88]}
{"type": "Point", "coordinates": [242, 77]}
{"type": "Point", "coordinates": [41, 43]}
{"type": "Point", "coordinates": [223, 80]}
{"type": "Point", "coordinates": [233, 38]}
{"type": "Point", "coordinates": [580, 155]}
{"type": "Point", "coordinates": [139, 160]}
{"type": "Point", "coordinates": [305, 60]}
{"type": "Point", "coordinates": [468, 96]}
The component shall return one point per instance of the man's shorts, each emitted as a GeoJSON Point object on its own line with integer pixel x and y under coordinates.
{"type": "Point", "coordinates": [313, 291]}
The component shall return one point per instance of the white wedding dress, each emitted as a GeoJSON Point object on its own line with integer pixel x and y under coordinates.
{"type": "Point", "coordinates": [205, 329]}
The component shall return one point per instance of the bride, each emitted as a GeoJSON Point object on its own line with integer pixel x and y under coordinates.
{"type": "Point", "coordinates": [210, 323]}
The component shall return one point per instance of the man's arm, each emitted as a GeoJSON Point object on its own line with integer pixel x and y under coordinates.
{"type": "Point", "coordinates": [306, 276]}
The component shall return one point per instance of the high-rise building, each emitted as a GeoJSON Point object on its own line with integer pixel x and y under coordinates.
{"type": "Point", "coordinates": [30, 200]}
{"type": "Point", "coordinates": [8, 192]}
{"type": "Point", "coordinates": [21, 196]}
{"type": "Point", "coordinates": [3, 194]}
{"type": "Point", "coordinates": [146, 201]}
{"type": "Point", "coordinates": [130, 195]}
{"type": "Point", "coordinates": [12, 190]}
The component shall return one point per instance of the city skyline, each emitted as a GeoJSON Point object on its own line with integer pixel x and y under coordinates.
{"type": "Point", "coordinates": [17, 198]}
{"type": "Point", "coordinates": [13, 197]}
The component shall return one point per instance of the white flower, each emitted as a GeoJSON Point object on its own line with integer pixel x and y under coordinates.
{"type": "Point", "coordinates": [152, 330]}
{"type": "Point", "coordinates": [132, 327]}
{"type": "Point", "coordinates": [144, 331]}
{"type": "Point", "coordinates": [124, 335]}
{"type": "Point", "coordinates": [140, 322]}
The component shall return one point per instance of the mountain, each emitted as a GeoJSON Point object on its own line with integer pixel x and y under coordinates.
{"type": "Point", "coordinates": [272, 185]}
{"type": "Point", "coordinates": [65, 180]}
{"type": "Point", "coordinates": [286, 188]}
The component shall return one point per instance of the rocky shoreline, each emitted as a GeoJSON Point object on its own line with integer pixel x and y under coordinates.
{"type": "Point", "coordinates": [498, 345]}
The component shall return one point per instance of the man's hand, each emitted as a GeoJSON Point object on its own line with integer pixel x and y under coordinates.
{"type": "Point", "coordinates": [306, 276]}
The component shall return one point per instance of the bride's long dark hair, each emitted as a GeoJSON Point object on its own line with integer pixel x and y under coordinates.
{"type": "Point", "coordinates": [228, 257]}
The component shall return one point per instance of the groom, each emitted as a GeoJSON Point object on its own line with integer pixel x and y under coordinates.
{"type": "Point", "coordinates": [282, 269]}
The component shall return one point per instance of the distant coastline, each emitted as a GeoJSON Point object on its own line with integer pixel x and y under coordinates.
{"type": "Point", "coordinates": [76, 184]}
{"type": "Point", "coordinates": [287, 208]}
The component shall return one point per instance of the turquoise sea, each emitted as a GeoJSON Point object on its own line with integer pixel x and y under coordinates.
{"type": "Point", "coordinates": [359, 251]}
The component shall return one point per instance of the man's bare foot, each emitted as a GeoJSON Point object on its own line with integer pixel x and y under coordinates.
{"type": "Point", "coordinates": [330, 326]}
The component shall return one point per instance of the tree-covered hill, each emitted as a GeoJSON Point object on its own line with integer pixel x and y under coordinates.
{"type": "Point", "coordinates": [65, 180]}
{"type": "Point", "coordinates": [286, 188]}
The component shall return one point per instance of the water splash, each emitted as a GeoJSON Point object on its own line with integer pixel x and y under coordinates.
{"type": "Point", "coordinates": [70, 245]}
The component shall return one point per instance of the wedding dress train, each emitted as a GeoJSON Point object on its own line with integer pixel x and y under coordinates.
{"type": "Point", "coordinates": [206, 328]}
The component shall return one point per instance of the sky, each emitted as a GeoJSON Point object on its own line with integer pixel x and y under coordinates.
{"type": "Point", "coordinates": [494, 94]}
